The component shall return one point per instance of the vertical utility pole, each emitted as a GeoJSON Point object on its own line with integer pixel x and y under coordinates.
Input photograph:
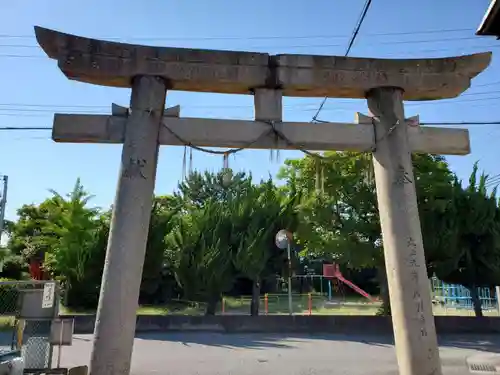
{"type": "Point", "coordinates": [412, 319]}
{"type": "Point", "coordinates": [3, 202]}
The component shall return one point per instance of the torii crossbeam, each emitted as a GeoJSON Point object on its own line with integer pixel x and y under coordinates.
{"type": "Point", "coordinates": [151, 71]}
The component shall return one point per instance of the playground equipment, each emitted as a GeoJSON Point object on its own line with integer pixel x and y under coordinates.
{"type": "Point", "coordinates": [333, 285]}
{"type": "Point", "coordinates": [458, 297]}
{"type": "Point", "coordinates": [332, 271]}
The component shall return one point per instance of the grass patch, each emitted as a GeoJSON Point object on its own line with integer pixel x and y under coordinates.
{"type": "Point", "coordinates": [7, 323]}
{"type": "Point", "coordinates": [171, 308]}
{"type": "Point", "coordinates": [277, 305]}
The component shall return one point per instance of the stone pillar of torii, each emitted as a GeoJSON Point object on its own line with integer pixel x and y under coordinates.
{"type": "Point", "coordinates": [151, 71]}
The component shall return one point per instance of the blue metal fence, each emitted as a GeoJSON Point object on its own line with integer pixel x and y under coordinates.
{"type": "Point", "coordinates": [458, 297]}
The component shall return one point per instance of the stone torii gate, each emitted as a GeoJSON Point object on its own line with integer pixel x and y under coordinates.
{"type": "Point", "coordinates": [151, 71]}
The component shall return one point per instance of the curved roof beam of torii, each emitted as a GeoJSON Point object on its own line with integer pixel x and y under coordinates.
{"type": "Point", "coordinates": [115, 64]}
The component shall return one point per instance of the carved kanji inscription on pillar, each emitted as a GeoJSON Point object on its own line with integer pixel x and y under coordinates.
{"type": "Point", "coordinates": [134, 168]}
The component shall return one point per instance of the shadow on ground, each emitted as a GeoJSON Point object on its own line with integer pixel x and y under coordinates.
{"type": "Point", "coordinates": [489, 343]}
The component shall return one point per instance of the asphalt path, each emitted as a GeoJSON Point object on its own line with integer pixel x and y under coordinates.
{"type": "Point", "coordinates": [276, 354]}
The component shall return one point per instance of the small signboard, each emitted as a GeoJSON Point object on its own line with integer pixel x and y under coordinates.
{"type": "Point", "coordinates": [48, 295]}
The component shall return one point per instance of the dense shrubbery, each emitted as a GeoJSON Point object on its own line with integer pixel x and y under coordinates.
{"type": "Point", "coordinates": [215, 235]}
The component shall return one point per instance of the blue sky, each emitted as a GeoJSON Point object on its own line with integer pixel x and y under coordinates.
{"type": "Point", "coordinates": [32, 88]}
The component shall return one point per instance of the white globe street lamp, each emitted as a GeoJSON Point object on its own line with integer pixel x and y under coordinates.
{"type": "Point", "coordinates": [283, 240]}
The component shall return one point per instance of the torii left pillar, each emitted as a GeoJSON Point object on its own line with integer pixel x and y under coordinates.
{"type": "Point", "coordinates": [121, 279]}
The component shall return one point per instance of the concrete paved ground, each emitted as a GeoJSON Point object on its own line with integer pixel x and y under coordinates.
{"type": "Point", "coordinates": [276, 354]}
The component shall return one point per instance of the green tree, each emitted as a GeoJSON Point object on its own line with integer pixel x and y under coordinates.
{"type": "Point", "coordinates": [68, 238]}
{"type": "Point", "coordinates": [339, 214]}
{"type": "Point", "coordinates": [241, 218]}
{"type": "Point", "coordinates": [28, 236]}
{"type": "Point", "coordinates": [257, 216]}
{"type": "Point", "coordinates": [472, 256]}
{"type": "Point", "coordinates": [199, 188]}
{"type": "Point", "coordinates": [75, 229]}
{"type": "Point", "coordinates": [199, 248]}
{"type": "Point", "coordinates": [158, 282]}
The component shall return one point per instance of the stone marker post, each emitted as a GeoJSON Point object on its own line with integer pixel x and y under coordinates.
{"type": "Point", "coordinates": [413, 321]}
{"type": "Point", "coordinates": [118, 301]}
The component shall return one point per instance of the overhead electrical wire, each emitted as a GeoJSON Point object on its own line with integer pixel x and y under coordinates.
{"type": "Point", "coordinates": [286, 47]}
{"type": "Point", "coordinates": [5, 106]}
{"type": "Point", "coordinates": [45, 111]}
{"type": "Point", "coordinates": [461, 123]}
{"type": "Point", "coordinates": [492, 181]}
{"type": "Point", "coordinates": [14, 36]}
{"type": "Point", "coordinates": [301, 46]}
{"type": "Point", "coordinates": [349, 46]}
{"type": "Point", "coordinates": [441, 123]}
{"type": "Point", "coordinates": [20, 128]}
{"type": "Point", "coordinates": [81, 108]}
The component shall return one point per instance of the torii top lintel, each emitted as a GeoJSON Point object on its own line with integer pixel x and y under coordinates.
{"type": "Point", "coordinates": [115, 64]}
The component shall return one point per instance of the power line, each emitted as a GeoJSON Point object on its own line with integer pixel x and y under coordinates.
{"type": "Point", "coordinates": [351, 42]}
{"type": "Point", "coordinates": [473, 49]}
{"type": "Point", "coordinates": [492, 181]}
{"type": "Point", "coordinates": [25, 109]}
{"type": "Point", "coordinates": [358, 26]}
{"type": "Point", "coordinates": [427, 40]}
{"type": "Point", "coordinates": [19, 128]}
{"type": "Point", "coordinates": [304, 46]}
{"type": "Point", "coordinates": [480, 93]}
{"type": "Point", "coordinates": [492, 178]}
{"type": "Point", "coordinates": [15, 109]}
{"type": "Point", "coordinates": [13, 36]}
{"type": "Point", "coordinates": [450, 123]}
{"type": "Point", "coordinates": [53, 107]}
{"type": "Point", "coordinates": [454, 101]}
{"type": "Point", "coordinates": [459, 48]}
{"type": "Point", "coordinates": [461, 123]}
{"type": "Point", "coordinates": [98, 109]}
{"type": "Point", "coordinates": [488, 84]}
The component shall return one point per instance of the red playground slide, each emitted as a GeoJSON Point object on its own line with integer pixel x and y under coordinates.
{"type": "Point", "coordinates": [331, 271]}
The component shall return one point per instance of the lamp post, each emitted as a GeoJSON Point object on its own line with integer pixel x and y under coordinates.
{"type": "Point", "coordinates": [4, 180]}
{"type": "Point", "coordinates": [283, 240]}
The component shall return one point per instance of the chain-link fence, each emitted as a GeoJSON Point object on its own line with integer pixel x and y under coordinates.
{"type": "Point", "coordinates": [26, 311]}
{"type": "Point", "coordinates": [9, 310]}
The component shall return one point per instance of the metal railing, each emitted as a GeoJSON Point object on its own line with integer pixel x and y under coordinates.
{"type": "Point", "coordinates": [302, 304]}
{"type": "Point", "coordinates": [454, 299]}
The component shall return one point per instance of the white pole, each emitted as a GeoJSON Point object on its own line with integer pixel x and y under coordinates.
{"type": "Point", "coordinates": [290, 308]}
{"type": "Point", "coordinates": [497, 292]}
{"type": "Point", "coordinates": [3, 204]}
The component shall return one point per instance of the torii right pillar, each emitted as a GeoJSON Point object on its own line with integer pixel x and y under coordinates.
{"type": "Point", "coordinates": [411, 307]}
